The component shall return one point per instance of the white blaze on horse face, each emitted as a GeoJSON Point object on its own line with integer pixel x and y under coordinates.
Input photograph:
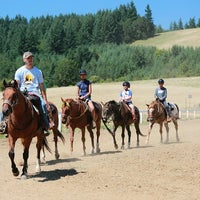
{"type": "Point", "coordinates": [151, 112]}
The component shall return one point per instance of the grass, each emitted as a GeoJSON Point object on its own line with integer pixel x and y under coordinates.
{"type": "Point", "coordinates": [186, 38]}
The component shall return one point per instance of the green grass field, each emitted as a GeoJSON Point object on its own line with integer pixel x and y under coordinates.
{"type": "Point", "coordinates": [186, 38]}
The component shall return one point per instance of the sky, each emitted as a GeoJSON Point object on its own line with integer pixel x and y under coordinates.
{"type": "Point", "coordinates": [164, 12]}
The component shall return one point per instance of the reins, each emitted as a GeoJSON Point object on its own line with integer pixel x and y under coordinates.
{"type": "Point", "coordinates": [78, 117]}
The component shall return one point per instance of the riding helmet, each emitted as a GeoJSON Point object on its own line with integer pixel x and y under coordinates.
{"type": "Point", "coordinates": [126, 83]}
{"type": "Point", "coordinates": [82, 72]}
{"type": "Point", "coordinates": [160, 81]}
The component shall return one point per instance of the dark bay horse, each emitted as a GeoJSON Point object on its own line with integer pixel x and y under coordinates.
{"type": "Point", "coordinates": [76, 114]}
{"type": "Point", "coordinates": [157, 114]}
{"type": "Point", "coordinates": [121, 116]}
{"type": "Point", "coordinates": [53, 114]}
{"type": "Point", "coordinates": [23, 122]}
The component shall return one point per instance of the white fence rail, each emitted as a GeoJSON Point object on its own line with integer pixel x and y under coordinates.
{"type": "Point", "coordinates": [183, 114]}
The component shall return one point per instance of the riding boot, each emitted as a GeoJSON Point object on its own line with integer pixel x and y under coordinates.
{"type": "Point", "coordinates": [93, 123]}
{"type": "Point", "coordinates": [42, 116]}
{"type": "Point", "coordinates": [3, 127]}
{"type": "Point", "coordinates": [168, 115]}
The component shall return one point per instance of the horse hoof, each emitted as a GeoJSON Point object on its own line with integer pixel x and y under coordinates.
{"type": "Point", "coordinates": [57, 156]}
{"type": "Point", "coordinates": [122, 147]}
{"type": "Point", "coordinates": [92, 152]}
{"type": "Point", "coordinates": [38, 170]}
{"type": "Point", "coordinates": [116, 146]}
{"type": "Point", "coordinates": [98, 150]}
{"type": "Point", "coordinates": [23, 177]}
{"type": "Point", "coordinates": [16, 173]}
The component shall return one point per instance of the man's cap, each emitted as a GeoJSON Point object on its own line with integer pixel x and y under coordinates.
{"type": "Point", "coordinates": [27, 54]}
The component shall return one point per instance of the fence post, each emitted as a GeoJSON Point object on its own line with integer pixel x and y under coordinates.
{"type": "Point", "coordinates": [141, 117]}
{"type": "Point", "coordinates": [187, 114]}
{"type": "Point", "coordinates": [59, 122]}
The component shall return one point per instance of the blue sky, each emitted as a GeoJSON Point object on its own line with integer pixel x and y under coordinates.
{"type": "Point", "coordinates": [164, 11]}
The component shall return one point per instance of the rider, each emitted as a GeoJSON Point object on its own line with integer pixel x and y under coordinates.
{"type": "Point", "coordinates": [126, 96]}
{"type": "Point", "coordinates": [161, 95]}
{"type": "Point", "coordinates": [84, 93]}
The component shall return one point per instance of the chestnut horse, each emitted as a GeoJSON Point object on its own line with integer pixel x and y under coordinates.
{"type": "Point", "coordinates": [121, 116]}
{"type": "Point", "coordinates": [23, 122]}
{"type": "Point", "coordinates": [76, 114]}
{"type": "Point", "coordinates": [53, 114]}
{"type": "Point", "coordinates": [157, 114]}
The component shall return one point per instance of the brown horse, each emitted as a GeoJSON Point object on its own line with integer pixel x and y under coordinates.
{"type": "Point", "coordinates": [53, 114]}
{"type": "Point", "coordinates": [121, 116]}
{"type": "Point", "coordinates": [76, 114]}
{"type": "Point", "coordinates": [157, 114]}
{"type": "Point", "coordinates": [23, 122]}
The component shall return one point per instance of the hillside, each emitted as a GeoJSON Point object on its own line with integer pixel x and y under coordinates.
{"type": "Point", "coordinates": [186, 38]}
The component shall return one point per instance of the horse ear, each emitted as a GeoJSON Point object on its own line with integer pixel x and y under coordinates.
{"type": "Point", "coordinates": [4, 83]}
{"type": "Point", "coordinates": [62, 100]}
{"type": "Point", "coordinates": [14, 83]}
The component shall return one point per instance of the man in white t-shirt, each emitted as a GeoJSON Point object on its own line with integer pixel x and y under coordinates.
{"type": "Point", "coordinates": [30, 81]}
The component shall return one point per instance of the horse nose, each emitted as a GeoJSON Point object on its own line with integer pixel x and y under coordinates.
{"type": "Point", "coordinates": [6, 112]}
{"type": "Point", "coordinates": [104, 119]}
{"type": "Point", "coordinates": [149, 119]}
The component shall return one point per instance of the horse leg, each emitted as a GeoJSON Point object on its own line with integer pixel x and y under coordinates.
{"type": "Point", "coordinates": [39, 146]}
{"type": "Point", "coordinates": [114, 139]}
{"type": "Point", "coordinates": [129, 136]}
{"type": "Point", "coordinates": [55, 137]}
{"type": "Point", "coordinates": [43, 160]}
{"type": "Point", "coordinates": [98, 150]}
{"type": "Point", "coordinates": [123, 136]}
{"type": "Point", "coordinates": [11, 154]}
{"type": "Point", "coordinates": [176, 127]}
{"type": "Point", "coordinates": [25, 166]}
{"type": "Point", "coordinates": [83, 141]}
{"type": "Point", "coordinates": [149, 132]}
{"type": "Point", "coordinates": [91, 137]}
{"type": "Point", "coordinates": [161, 135]}
{"type": "Point", "coordinates": [71, 139]}
{"type": "Point", "coordinates": [167, 130]}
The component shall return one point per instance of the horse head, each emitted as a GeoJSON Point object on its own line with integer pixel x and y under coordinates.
{"type": "Point", "coordinates": [153, 110]}
{"type": "Point", "coordinates": [10, 97]}
{"type": "Point", "coordinates": [107, 110]}
{"type": "Point", "coordinates": [66, 108]}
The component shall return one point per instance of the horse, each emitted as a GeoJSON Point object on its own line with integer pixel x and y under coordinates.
{"type": "Point", "coordinates": [157, 114]}
{"type": "Point", "coordinates": [53, 115]}
{"type": "Point", "coordinates": [23, 123]}
{"type": "Point", "coordinates": [76, 114]}
{"type": "Point", "coordinates": [121, 116]}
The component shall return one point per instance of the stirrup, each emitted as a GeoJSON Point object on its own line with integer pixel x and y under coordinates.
{"type": "Point", "coordinates": [3, 127]}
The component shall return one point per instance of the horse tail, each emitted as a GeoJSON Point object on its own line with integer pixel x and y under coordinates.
{"type": "Point", "coordinates": [45, 143]}
{"type": "Point", "coordinates": [60, 135]}
{"type": "Point", "coordinates": [137, 128]}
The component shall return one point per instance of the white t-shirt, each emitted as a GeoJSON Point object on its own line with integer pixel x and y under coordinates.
{"type": "Point", "coordinates": [29, 79]}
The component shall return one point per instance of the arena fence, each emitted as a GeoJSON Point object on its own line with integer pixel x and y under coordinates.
{"type": "Point", "coordinates": [186, 114]}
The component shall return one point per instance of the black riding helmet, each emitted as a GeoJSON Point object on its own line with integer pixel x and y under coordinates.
{"type": "Point", "coordinates": [126, 83]}
{"type": "Point", "coordinates": [160, 81]}
{"type": "Point", "coordinates": [82, 72]}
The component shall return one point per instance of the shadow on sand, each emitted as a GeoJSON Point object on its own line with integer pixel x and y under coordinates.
{"type": "Point", "coordinates": [54, 175]}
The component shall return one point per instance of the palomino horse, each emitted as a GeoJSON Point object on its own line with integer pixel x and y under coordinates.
{"type": "Point", "coordinates": [76, 114]}
{"type": "Point", "coordinates": [23, 122]}
{"type": "Point", "coordinates": [121, 116]}
{"type": "Point", "coordinates": [157, 114]}
{"type": "Point", "coordinates": [53, 114]}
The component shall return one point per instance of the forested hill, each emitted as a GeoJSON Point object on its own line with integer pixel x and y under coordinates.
{"type": "Point", "coordinates": [99, 43]}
